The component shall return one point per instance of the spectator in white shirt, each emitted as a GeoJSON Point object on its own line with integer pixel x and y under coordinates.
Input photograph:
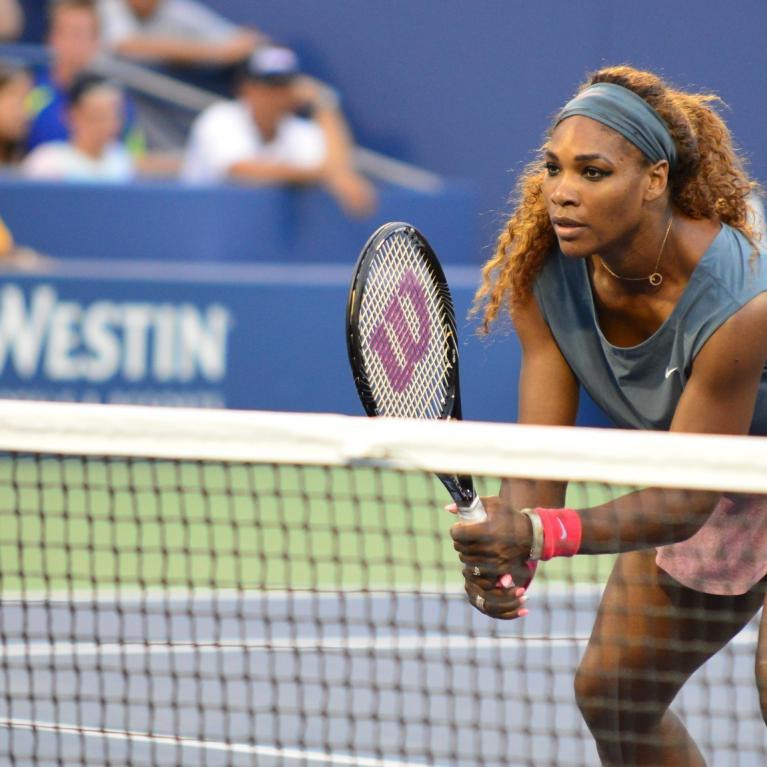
{"type": "Point", "coordinates": [174, 32]}
{"type": "Point", "coordinates": [284, 128]}
{"type": "Point", "coordinates": [93, 152]}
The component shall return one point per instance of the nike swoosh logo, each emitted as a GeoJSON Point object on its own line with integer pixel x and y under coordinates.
{"type": "Point", "coordinates": [563, 531]}
{"type": "Point", "coordinates": [669, 371]}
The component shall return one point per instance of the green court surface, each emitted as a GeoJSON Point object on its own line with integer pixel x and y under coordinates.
{"type": "Point", "coordinates": [94, 524]}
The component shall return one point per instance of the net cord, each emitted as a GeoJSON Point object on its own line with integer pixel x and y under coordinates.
{"type": "Point", "coordinates": [659, 459]}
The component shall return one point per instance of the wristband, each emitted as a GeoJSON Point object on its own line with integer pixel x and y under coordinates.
{"type": "Point", "coordinates": [536, 547]}
{"type": "Point", "coordinates": [561, 532]}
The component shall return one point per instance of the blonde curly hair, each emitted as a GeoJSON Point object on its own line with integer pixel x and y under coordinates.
{"type": "Point", "coordinates": [709, 182]}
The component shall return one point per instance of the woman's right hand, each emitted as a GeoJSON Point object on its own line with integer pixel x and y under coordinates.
{"type": "Point", "coordinates": [495, 554]}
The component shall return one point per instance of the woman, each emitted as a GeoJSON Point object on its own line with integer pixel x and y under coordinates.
{"type": "Point", "coordinates": [630, 268]}
{"type": "Point", "coordinates": [94, 151]}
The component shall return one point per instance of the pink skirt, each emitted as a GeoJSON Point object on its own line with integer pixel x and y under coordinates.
{"type": "Point", "coordinates": [728, 555]}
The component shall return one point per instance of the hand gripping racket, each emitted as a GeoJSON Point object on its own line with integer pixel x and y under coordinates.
{"type": "Point", "coordinates": [402, 340]}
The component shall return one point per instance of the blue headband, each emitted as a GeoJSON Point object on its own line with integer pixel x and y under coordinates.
{"type": "Point", "coordinates": [628, 114]}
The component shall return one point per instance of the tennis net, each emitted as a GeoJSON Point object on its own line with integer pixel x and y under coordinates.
{"type": "Point", "coordinates": [185, 587]}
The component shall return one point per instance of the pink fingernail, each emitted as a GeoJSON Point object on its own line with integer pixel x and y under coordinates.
{"type": "Point", "coordinates": [519, 592]}
{"type": "Point", "coordinates": [507, 581]}
{"type": "Point", "coordinates": [522, 613]}
{"type": "Point", "coordinates": [523, 598]}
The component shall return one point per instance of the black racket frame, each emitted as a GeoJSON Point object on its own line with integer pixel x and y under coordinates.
{"type": "Point", "coordinates": [461, 488]}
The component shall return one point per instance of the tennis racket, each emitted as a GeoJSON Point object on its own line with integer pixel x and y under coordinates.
{"type": "Point", "coordinates": [402, 340]}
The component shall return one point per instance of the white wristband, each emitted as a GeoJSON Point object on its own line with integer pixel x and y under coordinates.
{"type": "Point", "coordinates": [536, 547]}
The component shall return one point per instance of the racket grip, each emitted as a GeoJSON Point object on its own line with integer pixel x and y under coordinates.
{"type": "Point", "coordinates": [474, 512]}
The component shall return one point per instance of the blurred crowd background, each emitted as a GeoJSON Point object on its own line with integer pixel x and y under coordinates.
{"type": "Point", "coordinates": [76, 110]}
{"type": "Point", "coordinates": [459, 89]}
{"type": "Point", "coordinates": [250, 148]}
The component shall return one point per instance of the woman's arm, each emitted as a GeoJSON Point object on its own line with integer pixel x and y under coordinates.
{"type": "Point", "coordinates": [719, 398]}
{"type": "Point", "coordinates": [548, 396]}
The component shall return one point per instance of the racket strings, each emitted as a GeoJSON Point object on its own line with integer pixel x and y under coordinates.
{"type": "Point", "coordinates": [406, 332]}
{"type": "Point", "coordinates": [430, 379]}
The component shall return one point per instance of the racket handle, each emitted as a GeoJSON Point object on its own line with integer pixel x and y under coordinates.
{"type": "Point", "coordinates": [474, 512]}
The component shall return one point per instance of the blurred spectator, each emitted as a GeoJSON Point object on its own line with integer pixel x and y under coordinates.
{"type": "Point", "coordinates": [176, 32]}
{"type": "Point", "coordinates": [11, 20]}
{"type": "Point", "coordinates": [74, 43]}
{"type": "Point", "coordinates": [15, 85]}
{"type": "Point", "coordinates": [260, 137]}
{"type": "Point", "coordinates": [93, 152]}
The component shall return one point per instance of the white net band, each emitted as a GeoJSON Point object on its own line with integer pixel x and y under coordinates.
{"type": "Point", "coordinates": [707, 462]}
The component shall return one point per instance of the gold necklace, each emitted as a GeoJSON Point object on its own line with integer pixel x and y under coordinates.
{"type": "Point", "coordinates": [655, 278]}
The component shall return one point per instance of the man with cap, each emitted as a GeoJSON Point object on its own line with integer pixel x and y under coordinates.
{"type": "Point", "coordinates": [284, 128]}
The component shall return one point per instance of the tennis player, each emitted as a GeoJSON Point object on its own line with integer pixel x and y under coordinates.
{"type": "Point", "coordinates": [631, 267]}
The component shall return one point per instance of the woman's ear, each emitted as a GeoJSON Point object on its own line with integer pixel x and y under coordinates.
{"type": "Point", "coordinates": [657, 180]}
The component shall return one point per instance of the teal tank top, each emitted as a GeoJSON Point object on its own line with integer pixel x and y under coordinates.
{"type": "Point", "coordinates": [639, 386]}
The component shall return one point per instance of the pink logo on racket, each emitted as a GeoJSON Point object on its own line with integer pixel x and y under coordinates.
{"type": "Point", "coordinates": [398, 325]}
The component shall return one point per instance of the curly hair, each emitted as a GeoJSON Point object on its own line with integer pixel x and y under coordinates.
{"type": "Point", "coordinates": [709, 182]}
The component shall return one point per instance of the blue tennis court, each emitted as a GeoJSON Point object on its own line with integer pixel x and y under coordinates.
{"type": "Point", "coordinates": [373, 679]}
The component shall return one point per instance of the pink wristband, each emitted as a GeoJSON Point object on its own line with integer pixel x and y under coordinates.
{"type": "Point", "coordinates": [561, 532]}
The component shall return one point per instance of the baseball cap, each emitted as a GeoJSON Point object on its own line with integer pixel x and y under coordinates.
{"type": "Point", "coordinates": [275, 65]}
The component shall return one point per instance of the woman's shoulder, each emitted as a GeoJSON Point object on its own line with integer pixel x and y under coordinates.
{"type": "Point", "coordinates": [45, 157]}
{"type": "Point", "coordinates": [736, 262]}
{"type": "Point", "coordinates": [47, 151]}
{"type": "Point", "coordinates": [49, 148]}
